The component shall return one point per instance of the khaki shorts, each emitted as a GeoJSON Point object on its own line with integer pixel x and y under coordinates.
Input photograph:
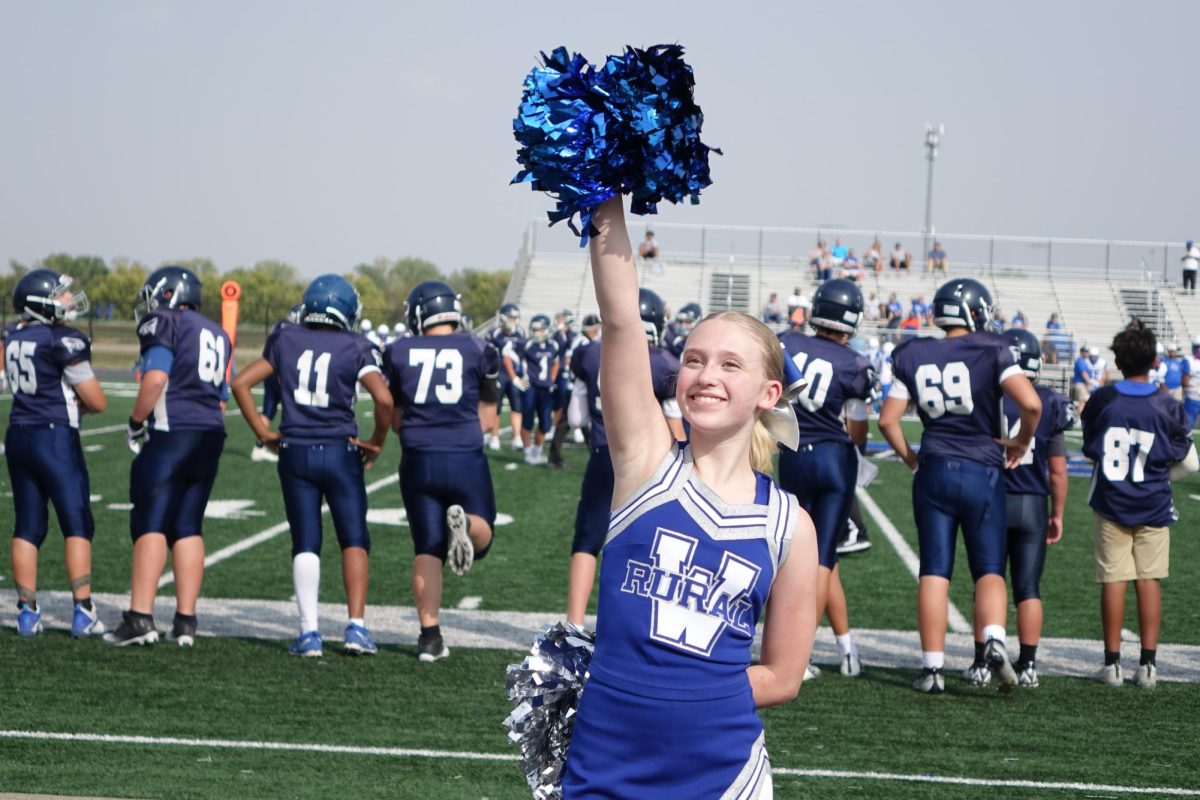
{"type": "Point", "coordinates": [1080, 392]}
{"type": "Point", "coordinates": [1126, 553]}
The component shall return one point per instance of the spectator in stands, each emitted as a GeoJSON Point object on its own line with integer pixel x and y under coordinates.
{"type": "Point", "coordinates": [816, 259]}
{"type": "Point", "coordinates": [901, 258]}
{"type": "Point", "coordinates": [797, 307]}
{"type": "Point", "coordinates": [851, 269]}
{"type": "Point", "coordinates": [999, 320]}
{"type": "Point", "coordinates": [937, 258]}
{"type": "Point", "coordinates": [921, 309]}
{"type": "Point", "coordinates": [894, 311]}
{"type": "Point", "coordinates": [1053, 324]}
{"type": "Point", "coordinates": [873, 309]}
{"type": "Point", "coordinates": [873, 260]}
{"type": "Point", "coordinates": [910, 325]}
{"type": "Point", "coordinates": [772, 312]}
{"type": "Point", "coordinates": [648, 250]}
{"type": "Point", "coordinates": [1084, 380]}
{"type": "Point", "coordinates": [1176, 373]}
{"type": "Point", "coordinates": [838, 253]}
{"type": "Point", "coordinates": [1019, 320]}
{"type": "Point", "coordinates": [1191, 262]}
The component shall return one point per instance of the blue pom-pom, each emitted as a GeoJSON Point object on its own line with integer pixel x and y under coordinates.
{"type": "Point", "coordinates": [631, 127]}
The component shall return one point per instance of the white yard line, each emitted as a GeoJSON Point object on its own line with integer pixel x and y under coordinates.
{"type": "Point", "coordinates": [958, 623]}
{"type": "Point", "coordinates": [410, 752]}
{"type": "Point", "coordinates": [470, 603]}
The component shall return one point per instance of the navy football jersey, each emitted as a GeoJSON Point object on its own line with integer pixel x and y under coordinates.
{"type": "Point", "coordinates": [317, 371]}
{"type": "Point", "coordinates": [955, 385]}
{"type": "Point", "coordinates": [835, 374]}
{"type": "Point", "coordinates": [1134, 433]}
{"type": "Point", "coordinates": [664, 370]}
{"type": "Point", "coordinates": [435, 380]}
{"type": "Point", "coordinates": [509, 344]}
{"type": "Point", "coordinates": [35, 356]}
{"type": "Point", "coordinates": [539, 358]}
{"type": "Point", "coordinates": [1032, 475]}
{"type": "Point", "coordinates": [195, 386]}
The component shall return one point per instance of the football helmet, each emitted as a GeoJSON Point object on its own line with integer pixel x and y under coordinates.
{"type": "Point", "coordinates": [384, 332]}
{"type": "Point", "coordinates": [650, 305]}
{"type": "Point", "coordinates": [296, 313]}
{"type": "Point", "coordinates": [509, 316]}
{"type": "Point", "coordinates": [432, 303]}
{"type": "Point", "coordinates": [331, 300]}
{"type": "Point", "coordinates": [45, 295]}
{"type": "Point", "coordinates": [365, 326]}
{"type": "Point", "coordinates": [963, 303]}
{"type": "Point", "coordinates": [539, 327]}
{"type": "Point", "coordinates": [686, 318]}
{"type": "Point", "coordinates": [564, 320]}
{"type": "Point", "coordinates": [169, 287]}
{"type": "Point", "coordinates": [837, 306]}
{"type": "Point", "coordinates": [1026, 350]}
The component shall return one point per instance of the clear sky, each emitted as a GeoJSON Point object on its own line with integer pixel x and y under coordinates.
{"type": "Point", "coordinates": [327, 134]}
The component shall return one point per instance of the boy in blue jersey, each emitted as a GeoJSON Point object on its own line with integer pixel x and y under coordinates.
{"type": "Point", "coordinates": [1041, 474]}
{"type": "Point", "coordinates": [595, 493]}
{"type": "Point", "coordinates": [441, 378]}
{"type": "Point", "coordinates": [177, 431]}
{"type": "Point", "coordinates": [539, 356]}
{"type": "Point", "coordinates": [1139, 440]}
{"type": "Point", "coordinates": [317, 364]}
{"type": "Point", "coordinates": [507, 338]}
{"type": "Point", "coordinates": [956, 384]}
{"type": "Point", "coordinates": [823, 472]}
{"type": "Point", "coordinates": [49, 371]}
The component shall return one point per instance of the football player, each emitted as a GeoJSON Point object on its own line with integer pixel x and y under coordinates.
{"type": "Point", "coordinates": [507, 337]}
{"type": "Point", "coordinates": [1042, 473]}
{"type": "Point", "coordinates": [441, 377]}
{"type": "Point", "coordinates": [49, 370]}
{"type": "Point", "coordinates": [1139, 441]}
{"type": "Point", "coordinates": [317, 363]}
{"type": "Point", "coordinates": [595, 495]}
{"type": "Point", "coordinates": [956, 384]}
{"type": "Point", "coordinates": [540, 364]}
{"type": "Point", "coordinates": [270, 403]}
{"type": "Point", "coordinates": [675, 336]}
{"type": "Point", "coordinates": [568, 340]}
{"type": "Point", "coordinates": [177, 431]}
{"type": "Point", "coordinates": [823, 472]}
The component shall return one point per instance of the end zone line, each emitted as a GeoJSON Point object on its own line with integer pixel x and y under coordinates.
{"type": "Point", "coordinates": [958, 623]}
{"type": "Point", "coordinates": [407, 752]}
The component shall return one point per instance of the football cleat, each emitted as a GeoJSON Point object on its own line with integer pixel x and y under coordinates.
{"type": "Point", "coordinates": [306, 645]}
{"type": "Point", "coordinates": [1110, 675]}
{"type": "Point", "coordinates": [86, 623]}
{"type": "Point", "coordinates": [1027, 677]}
{"type": "Point", "coordinates": [578, 436]}
{"type": "Point", "coordinates": [460, 554]}
{"type": "Point", "coordinates": [29, 621]}
{"type": "Point", "coordinates": [856, 541]}
{"type": "Point", "coordinates": [494, 443]}
{"type": "Point", "coordinates": [183, 630]}
{"type": "Point", "coordinates": [851, 666]}
{"type": "Point", "coordinates": [263, 453]}
{"type": "Point", "coordinates": [996, 658]}
{"type": "Point", "coordinates": [931, 681]}
{"type": "Point", "coordinates": [516, 443]}
{"type": "Point", "coordinates": [1146, 676]}
{"type": "Point", "coordinates": [811, 672]}
{"type": "Point", "coordinates": [431, 649]}
{"type": "Point", "coordinates": [977, 675]}
{"type": "Point", "coordinates": [358, 641]}
{"type": "Point", "coordinates": [134, 629]}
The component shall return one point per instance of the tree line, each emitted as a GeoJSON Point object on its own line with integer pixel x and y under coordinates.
{"type": "Point", "coordinates": [269, 288]}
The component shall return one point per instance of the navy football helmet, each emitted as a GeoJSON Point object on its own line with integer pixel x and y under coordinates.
{"type": "Point", "coordinates": [837, 305]}
{"type": "Point", "coordinates": [432, 303]}
{"type": "Point", "coordinates": [296, 313]}
{"type": "Point", "coordinates": [509, 316]}
{"type": "Point", "coordinates": [963, 303]}
{"type": "Point", "coordinates": [331, 300]}
{"type": "Point", "coordinates": [539, 327]}
{"type": "Point", "coordinates": [1026, 350]}
{"type": "Point", "coordinates": [169, 287]}
{"type": "Point", "coordinates": [654, 316]}
{"type": "Point", "coordinates": [565, 320]}
{"type": "Point", "coordinates": [686, 318]}
{"type": "Point", "coordinates": [46, 296]}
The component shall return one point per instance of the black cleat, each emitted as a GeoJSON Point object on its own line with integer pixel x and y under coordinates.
{"type": "Point", "coordinates": [134, 629]}
{"type": "Point", "coordinates": [431, 649]}
{"type": "Point", "coordinates": [183, 630]}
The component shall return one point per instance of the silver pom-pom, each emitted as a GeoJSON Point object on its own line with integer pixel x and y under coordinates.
{"type": "Point", "coordinates": [545, 689]}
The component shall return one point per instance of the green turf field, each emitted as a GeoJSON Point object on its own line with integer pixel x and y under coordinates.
{"type": "Point", "coordinates": [350, 726]}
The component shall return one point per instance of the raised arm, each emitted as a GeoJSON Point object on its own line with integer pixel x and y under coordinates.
{"type": "Point", "coordinates": [638, 436]}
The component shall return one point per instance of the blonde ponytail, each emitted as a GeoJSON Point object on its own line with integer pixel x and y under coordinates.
{"type": "Point", "coordinates": [762, 449]}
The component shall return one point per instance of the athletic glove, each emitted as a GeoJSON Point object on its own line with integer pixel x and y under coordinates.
{"type": "Point", "coordinates": [521, 383]}
{"type": "Point", "coordinates": [135, 435]}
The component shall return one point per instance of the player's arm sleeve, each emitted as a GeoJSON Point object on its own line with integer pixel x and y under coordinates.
{"type": "Point", "coordinates": [856, 409]}
{"type": "Point", "coordinates": [1188, 466]}
{"type": "Point", "coordinates": [899, 390]}
{"type": "Point", "coordinates": [157, 357]}
{"type": "Point", "coordinates": [1006, 366]}
{"type": "Point", "coordinates": [491, 362]}
{"type": "Point", "coordinates": [77, 372]}
{"type": "Point", "coordinates": [370, 358]}
{"type": "Point", "coordinates": [577, 408]}
{"type": "Point", "coordinates": [1056, 445]}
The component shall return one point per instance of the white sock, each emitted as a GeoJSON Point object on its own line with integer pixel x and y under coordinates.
{"type": "Point", "coordinates": [359, 621]}
{"type": "Point", "coordinates": [845, 643]}
{"type": "Point", "coordinates": [993, 632]}
{"type": "Point", "coordinates": [931, 659]}
{"type": "Point", "coordinates": [306, 579]}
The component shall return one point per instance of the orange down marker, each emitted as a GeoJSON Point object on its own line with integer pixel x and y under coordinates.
{"type": "Point", "coordinates": [231, 293]}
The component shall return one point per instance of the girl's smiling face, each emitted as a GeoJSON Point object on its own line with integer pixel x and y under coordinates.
{"type": "Point", "coordinates": [723, 384]}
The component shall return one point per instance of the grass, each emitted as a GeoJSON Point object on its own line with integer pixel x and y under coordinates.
{"type": "Point", "coordinates": [1067, 730]}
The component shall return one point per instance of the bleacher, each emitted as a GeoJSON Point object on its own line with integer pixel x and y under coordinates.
{"type": "Point", "coordinates": [1092, 301]}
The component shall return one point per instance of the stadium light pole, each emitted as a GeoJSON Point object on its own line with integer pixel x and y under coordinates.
{"type": "Point", "coordinates": [933, 140]}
